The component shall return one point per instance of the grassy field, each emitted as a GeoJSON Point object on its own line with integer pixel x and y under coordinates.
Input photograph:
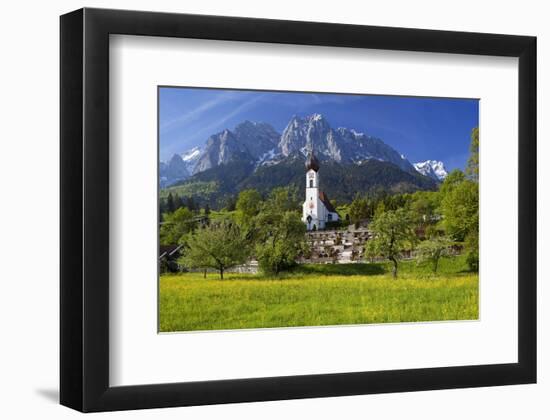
{"type": "Point", "coordinates": [319, 295]}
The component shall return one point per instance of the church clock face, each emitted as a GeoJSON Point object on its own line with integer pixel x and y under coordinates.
{"type": "Point", "coordinates": [311, 205]}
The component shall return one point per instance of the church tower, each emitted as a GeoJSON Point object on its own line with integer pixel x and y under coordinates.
{"type": "Point", "coordinates": [317, 210]}
{"type": "Point", "coordinates": [313, 209]}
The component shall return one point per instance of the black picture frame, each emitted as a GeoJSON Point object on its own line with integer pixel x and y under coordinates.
{"type": "Point", "coordinates": [84, 283]}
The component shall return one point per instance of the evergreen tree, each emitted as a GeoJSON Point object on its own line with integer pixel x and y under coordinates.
{"type": "Point", "coordinates": [162, 208]}
{"type": "Point", "coordinates": [179, 202]}
{"type": "Point", "coordinates": [190, 204]}
{"type": "Point", "coordinates": [231, 203]}
{"type": "Point", "coordinates": [170, 204]}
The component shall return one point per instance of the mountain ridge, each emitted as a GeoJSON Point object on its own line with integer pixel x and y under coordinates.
{"type": "Point", "coordinates": [255, 155]}
{"type": "Point", "coordinates": [219, 185]}
{"type": "Point", "coordinates": [259, 144]}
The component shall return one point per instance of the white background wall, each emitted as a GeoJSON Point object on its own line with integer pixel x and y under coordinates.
{"type": "Point", "coordinates": [29, 268]}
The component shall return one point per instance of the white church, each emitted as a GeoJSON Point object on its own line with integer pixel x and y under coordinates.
{"type": "Point", "coordinates": [317, 209]}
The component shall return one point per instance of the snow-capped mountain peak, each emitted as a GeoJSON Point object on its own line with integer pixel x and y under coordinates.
{"type": "Point", "coordinates": [341, 145]}
{"type": "Point", "coordinates": [434, 169]}
{"type": "Point", "coordinates": [191, 155]}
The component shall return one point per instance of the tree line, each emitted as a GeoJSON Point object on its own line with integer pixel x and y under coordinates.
{"type": "Point", "coordinates": [173, 202]}
{"type": "Point", "coordinates": [270, 229]}
{"type": "Point", "coordinates": [430, 222]}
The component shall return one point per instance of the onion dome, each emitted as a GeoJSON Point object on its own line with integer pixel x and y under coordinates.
{"type": "Point", "coordinates": [312, 162]}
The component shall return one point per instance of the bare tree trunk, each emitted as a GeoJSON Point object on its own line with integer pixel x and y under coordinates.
{"type": "Point", "coordinates": [221, 273]}
{"type": "Point", "coordinates": [204, 273]}
{"type": "Point", "coordinates": [394, 270]}
{"type": "Point", "coordinates": [392, 257]}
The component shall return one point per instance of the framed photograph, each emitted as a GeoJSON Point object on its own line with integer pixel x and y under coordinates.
{"type": "Point", "coordinates": [260, 210]}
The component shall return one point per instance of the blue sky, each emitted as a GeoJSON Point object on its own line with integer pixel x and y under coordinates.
{"type": "Point", "coordinates": [419, 128]}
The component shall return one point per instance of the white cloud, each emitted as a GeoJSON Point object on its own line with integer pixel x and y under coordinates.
{"type": "Point", "coordinates": [218, 124]}
{"type": "Point", "coordinates": [197, 112]}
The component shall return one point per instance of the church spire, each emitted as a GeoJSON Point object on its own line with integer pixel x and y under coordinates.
{"type": "Point", "coordinates": [312, 162]}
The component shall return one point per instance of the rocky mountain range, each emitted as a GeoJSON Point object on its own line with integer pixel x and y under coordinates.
{"type": "Point", "coordinates": [340, 145]}
{"type": "Point", "coordinates": [249, 141]}
{"type": "Point", "coordinates": [260, 144]}
{"type": "Point", "coordinates": [173, 171]}
{"type": "Point", "coordinates": [255, 155]}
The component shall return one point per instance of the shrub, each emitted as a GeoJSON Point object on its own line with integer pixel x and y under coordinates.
{"type": "Point", "coordinates": [337, 224]}
{"type": "Point", "coordinates": [472, 259]}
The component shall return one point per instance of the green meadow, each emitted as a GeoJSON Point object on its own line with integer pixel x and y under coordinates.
{"type": "Point", "coordinates": [314, 295]}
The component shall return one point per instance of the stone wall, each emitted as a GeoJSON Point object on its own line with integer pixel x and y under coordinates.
{"type": "Point", "coordinates": [337, 246]}
{"type": "Point", "coordinates": [347, 247]}
{"type": "Point", "coordinates": [251, 267]}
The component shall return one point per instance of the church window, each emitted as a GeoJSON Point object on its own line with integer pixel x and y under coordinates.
{"type": "Point", "coordinates": [311, 183]}
{"type": "Point", "coordinates": [330, 217]}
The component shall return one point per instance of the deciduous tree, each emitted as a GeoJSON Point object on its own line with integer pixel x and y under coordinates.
{"type": "Point", "coordinates": [454, 178]}
{"type": "Point", "coordinates": [175, 225]}
{"type": "Point", "coordinates": [219, 245]}
{"type": "Point", "coordinates": [360, 209]}
{"type": "Point", "coordinates": [393, 233]}
{"type": "Point", "coordinates": [280, 233]}
{"type": "Point", "coordinates": [248, 206]}
{"type": "Point", "coordinates": [431, 250]}
{"type": "Point", "coordinates": [424, 205]}
{"type": "Point", "coordinates": [280, 241]}
{"type": "Point", "coordinates": [460, 210]}
{"type": "Point", "coordinates": [472, 169]}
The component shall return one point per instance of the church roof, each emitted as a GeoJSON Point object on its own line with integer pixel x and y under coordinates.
{"type": "Point", "coordinates": [312, 162]}
{"type": "Point", "coordinates": [323, 197]}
